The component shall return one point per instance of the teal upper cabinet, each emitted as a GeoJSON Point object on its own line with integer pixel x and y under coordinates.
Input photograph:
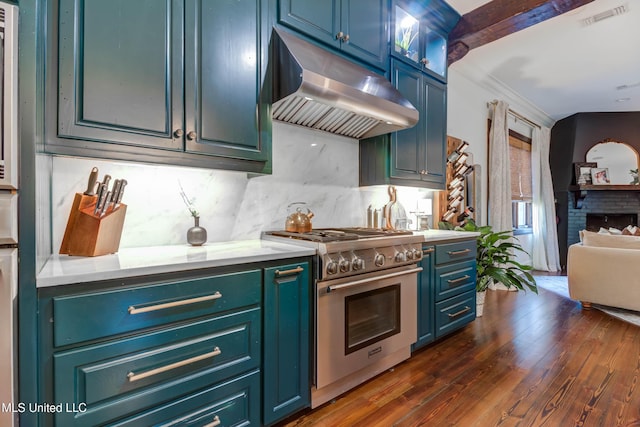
{"type": "Point", "coordinates": [160, 81]}
{"type": "Point", "coordinates": [120, 72]}
{"type": "Point", "coordinates": [223, 59]}
{"type": "Point", "coordinates": [419, 35]}
{"type": "Point", "coordinates": [358, 27]}
{"type": "Point", "coordinates": [414, 156]}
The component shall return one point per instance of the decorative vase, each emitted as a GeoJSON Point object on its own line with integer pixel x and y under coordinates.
{"type": "Point", "coordinates": [480, 303]}
{"type": "Point", "coordinates": [196, 235]}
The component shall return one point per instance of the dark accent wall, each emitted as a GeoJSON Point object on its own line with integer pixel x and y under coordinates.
{"type": "Point", "coordinates": [571, 138]}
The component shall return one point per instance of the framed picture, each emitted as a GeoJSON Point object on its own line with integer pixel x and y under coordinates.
{"type": "Point", "coordinates": [583, 172]}
{"type": "Point", "coordinates": [600, 176]}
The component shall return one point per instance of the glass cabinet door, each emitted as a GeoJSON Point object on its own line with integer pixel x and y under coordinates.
{"type": "Point", "coordinates": [407, 35]}
{"type": "Point", "coordinates": [435, 51]}
{"type": "Point", "coordinates": [417, 40]}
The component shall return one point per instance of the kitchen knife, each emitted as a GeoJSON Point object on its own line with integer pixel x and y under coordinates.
{"type": "Point", "coordinates": [101, 200]}
{"type": "Point", "coordinates": [105, 204]}
{"type": "Point", "coordinates": [106, 180]}
{"type": "Point", "coordinates": [123, 183]}
{"type": "Point", "coordinates": [91, 185]}
{"type": "Point", "coordinates": [115, 190]}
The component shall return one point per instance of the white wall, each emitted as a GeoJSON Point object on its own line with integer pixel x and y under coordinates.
{"type": "Point", "coordinates": [311, 166]}
{"type": "Point", "coordinates": [469, 91]}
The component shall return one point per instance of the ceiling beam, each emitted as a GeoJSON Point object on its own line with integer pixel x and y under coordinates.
{"type": "Point", "coordinates": [499, 18]}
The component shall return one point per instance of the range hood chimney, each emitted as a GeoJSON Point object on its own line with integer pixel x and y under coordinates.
{"type": "Point", "coordinates": [318, 89]}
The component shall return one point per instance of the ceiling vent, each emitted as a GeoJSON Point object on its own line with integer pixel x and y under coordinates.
{"type": "Point", "coordinates": [606, 14]}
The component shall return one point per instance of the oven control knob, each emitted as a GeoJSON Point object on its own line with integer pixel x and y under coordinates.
{"type": "Point", "coordinates": [401, 257]}
{"type": "Point", "coordinates": [357, 264]}
{"type": "Point", "coordinates": [417, 254]}
{"type": "Point", "coordinates": [344, 266]}
{"type": "Point", "coordinates": [410, 254]}
{"type": "Point", "coordinates": [379, 260]}
{"type": "Point", "coordinates": [332, 267]}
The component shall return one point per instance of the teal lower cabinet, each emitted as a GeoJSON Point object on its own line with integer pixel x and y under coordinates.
{"type": "Point", "coordinates": [426, 325]}
{"type": "Point", "coordinates": [225, 346]}
{"type": "Point", "coordinates": [455, 285]}
{"type": "Point", "coordinates": [231, 403]}
{"type": "Point", "coordinates": [286, 341]}
{"type": "Point", "coordinates": [446, 289]}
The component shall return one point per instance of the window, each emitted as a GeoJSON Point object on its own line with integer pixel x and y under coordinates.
{"type": "Point", "coordinates": [521, 182]}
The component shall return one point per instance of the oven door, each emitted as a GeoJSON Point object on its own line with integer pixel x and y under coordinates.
{"type": "Point", "coordinates": [362, 319]}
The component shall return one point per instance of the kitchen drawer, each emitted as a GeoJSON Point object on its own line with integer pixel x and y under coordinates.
{"type": "Point", "coordinates": [96, 315]}
{"type": "Point", "coordinates": [455, 312]}
{"type": "Point", "coordinates": [457, 251]}
{"type": "Point", "coordinates": [118, 378]}
{"type": "Point", "coordinates": [234, 403]}
{"type": "Point", "coordinates": [453, 279]}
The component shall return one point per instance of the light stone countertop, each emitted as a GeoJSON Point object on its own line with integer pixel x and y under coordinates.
{"type": "Point", "coordinates": [143, 261]}
{"type": "Point", "coordinates": [443, 236]}
{"type": "Point", "coordinates": [131, 262]}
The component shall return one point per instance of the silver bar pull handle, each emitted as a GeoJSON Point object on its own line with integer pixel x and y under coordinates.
{"type": "Point", "coordinates": [134, 310]}
{"type": "Point", "coordinates": [456, 253]}
{"type": "Point", "coordinates": [458, 280]}
{"type": "Point", "coordinates": [373, 279]}
{"type": "Point", "coordinates": [216, 422]}
{"type": "Point", "coordinates": [136, 377]}
{"type": "Point", "coordinates": [463, 311]}
{"type": "Point", "coordinates": [428, 251]}
{"type": "Point", "coordinates": [289, 272]}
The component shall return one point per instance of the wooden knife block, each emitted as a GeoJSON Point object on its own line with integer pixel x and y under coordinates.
{"type": "Point", "coordinates": [91, 235]}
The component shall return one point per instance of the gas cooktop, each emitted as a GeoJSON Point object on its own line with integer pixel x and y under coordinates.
{"type": "Point", "coordinates": [340, 234]}
{"type": "Point", "coordinates": [352, 251]}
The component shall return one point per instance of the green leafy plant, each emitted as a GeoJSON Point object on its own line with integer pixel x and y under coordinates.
{"type": "Point", "coordinates": [495, 259]}
{"type": "Point", "coordinates": [407, 37]}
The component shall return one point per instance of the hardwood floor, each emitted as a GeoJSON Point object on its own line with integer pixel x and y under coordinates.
{"type": "Point", "coordinates": [531, 360]}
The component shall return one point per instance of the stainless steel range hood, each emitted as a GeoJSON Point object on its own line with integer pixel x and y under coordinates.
{"type": "Point", "coordinates": [318, 89]}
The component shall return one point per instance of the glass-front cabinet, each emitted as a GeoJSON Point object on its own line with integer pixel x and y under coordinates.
{"type": "Point", "coordinates": [417, 39]}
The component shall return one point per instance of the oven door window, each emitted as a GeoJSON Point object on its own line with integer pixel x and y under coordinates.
{"type": "Point", "coordinates": [371, 317]}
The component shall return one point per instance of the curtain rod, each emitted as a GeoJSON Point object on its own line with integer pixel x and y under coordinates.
{"type": "Point", "coordinates": [517, 115]}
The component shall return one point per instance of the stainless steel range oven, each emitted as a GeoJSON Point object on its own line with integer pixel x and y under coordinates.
{"type": "Point", "coordinates": [365, 304]}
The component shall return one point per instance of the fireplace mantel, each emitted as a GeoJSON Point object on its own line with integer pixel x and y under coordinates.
{"type": "Point", "coordinates": [580, 191]}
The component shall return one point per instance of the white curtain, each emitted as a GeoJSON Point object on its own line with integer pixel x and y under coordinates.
{"type": "Point", "coordinates": [499, 203]}
{"type": "Point", "coordinates": [545, 237]}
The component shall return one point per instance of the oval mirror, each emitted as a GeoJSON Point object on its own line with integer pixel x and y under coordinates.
{"type": "Point", "coordinates": [619, 158]}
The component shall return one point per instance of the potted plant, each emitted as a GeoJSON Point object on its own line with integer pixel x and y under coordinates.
{"type": "Point", "coordinates": [495, 261]}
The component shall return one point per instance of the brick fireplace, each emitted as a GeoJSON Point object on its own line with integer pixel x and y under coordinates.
{"type": "Point", "coordinates": [613, 207]}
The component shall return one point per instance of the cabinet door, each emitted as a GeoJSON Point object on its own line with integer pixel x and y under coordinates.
{"type": "Point", "coordinates": [317, 19]}
{"type": "Point", "coordinates": [120, 71]}
{"type": "Point", "coordinates": [426, 316]}
{"type": "Point", "coordinates": [434, 47]}
{"type": "Point", "coordinates": [436, 123]}
{"type": "Point", "coordinates": [407, 146]}
{"type": "Point", "coordinates": [223, 73]}
{"type": "Point", "coordinates": [286, 340]}
{"type": "Point", "coordinates": [365, 22]}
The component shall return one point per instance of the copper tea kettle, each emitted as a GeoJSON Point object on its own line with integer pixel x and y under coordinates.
{"type": "Point", "coordinates": [299, 218]}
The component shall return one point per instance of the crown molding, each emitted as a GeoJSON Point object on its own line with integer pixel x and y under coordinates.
{"type": "Point", "coordinates": [502, 91]}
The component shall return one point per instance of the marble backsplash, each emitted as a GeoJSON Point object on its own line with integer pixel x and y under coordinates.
{"type": "Point", "coordinates": [310, 166]}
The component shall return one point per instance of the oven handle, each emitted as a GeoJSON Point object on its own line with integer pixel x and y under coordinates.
{"type": "Point", "coordinates": [373, 279]}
